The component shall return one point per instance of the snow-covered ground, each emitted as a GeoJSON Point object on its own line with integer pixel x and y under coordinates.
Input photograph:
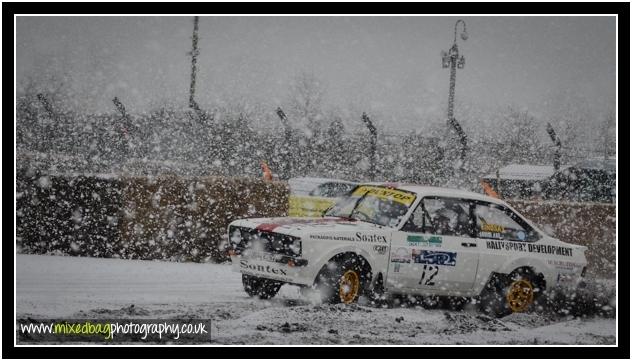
{"type": "Point", "coordinates": [75, 287]}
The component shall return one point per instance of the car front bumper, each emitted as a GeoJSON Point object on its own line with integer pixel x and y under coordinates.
{"type": "Point", "coordinates": [293, 271]}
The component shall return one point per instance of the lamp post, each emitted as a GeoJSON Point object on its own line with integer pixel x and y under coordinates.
{"type": "Point", "coordinates": [452, 60]}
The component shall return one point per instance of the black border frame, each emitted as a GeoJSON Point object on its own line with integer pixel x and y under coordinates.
{"type": "Point", "coordinates": [623, 349]}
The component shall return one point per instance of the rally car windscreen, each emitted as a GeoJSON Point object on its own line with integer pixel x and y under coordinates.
{"type": "Point", "coordinates": [374, 204]}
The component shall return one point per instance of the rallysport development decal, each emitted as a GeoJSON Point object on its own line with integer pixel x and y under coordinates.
{"type": "Point", "coordinates": [529, 247]}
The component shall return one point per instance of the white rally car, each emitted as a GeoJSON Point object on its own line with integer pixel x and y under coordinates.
{"type": "Point", "coordinates": [388, 240]}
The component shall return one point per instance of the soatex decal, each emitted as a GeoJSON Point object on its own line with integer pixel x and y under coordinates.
{"type": "Point", "coordinates": [261, 268]}
{"type": "Point", "coordinates": [359, 237]}
{"type": "Point", "coordinates": [370, 238]}
{"type": "Point", "coordinates": [529, 247]}
{"type": "Point", "coordinates": [440, 258]}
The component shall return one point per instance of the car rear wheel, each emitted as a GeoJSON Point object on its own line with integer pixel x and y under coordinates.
{"type": "Point", "coordinates": [262, 288]}
{"type": "Point", "coordinates": [519, 292]}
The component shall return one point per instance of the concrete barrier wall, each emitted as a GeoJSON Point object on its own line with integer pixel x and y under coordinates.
{"type": "Point", "coordinates": [588, 224]}
{"type": "Point", "coordinates": [165, 217]}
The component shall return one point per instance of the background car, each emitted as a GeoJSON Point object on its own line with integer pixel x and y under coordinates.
{"type": "Point", "coordinates": [310, 197]}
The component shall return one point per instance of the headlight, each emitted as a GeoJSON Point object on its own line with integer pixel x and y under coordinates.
{"type": "Point", "coordinates": [235, 237]}
{"type": "Point", "coordinates": [296, 247]}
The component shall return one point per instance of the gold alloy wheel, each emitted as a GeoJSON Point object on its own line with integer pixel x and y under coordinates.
{"type": "Point", "coordinates": [520, 295]}
{"type": "Point", "coordinates": [349, 286]}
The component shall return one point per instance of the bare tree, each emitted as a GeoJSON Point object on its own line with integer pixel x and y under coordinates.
{"type": "Point", "coordinates": [306, 98]}
{"type": "Point", "coordinates": [519, 134]}
{"type": "Point", "coordinates": [609, 135]}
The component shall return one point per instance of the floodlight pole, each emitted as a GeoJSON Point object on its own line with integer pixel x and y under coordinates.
{"type": "Point", "coordinates": [288, 138]}
{"type": "Point", "coordinates": [558, 146]}
{"type": "Point", "coordinates": [194, 54]}
{"type": "Point", "coordinates": [373, 147]}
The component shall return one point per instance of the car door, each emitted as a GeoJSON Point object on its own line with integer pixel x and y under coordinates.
{"type": "Point", "coordinates": [435, 252]}
{"type": "Point", "coordinates": [501, 234]}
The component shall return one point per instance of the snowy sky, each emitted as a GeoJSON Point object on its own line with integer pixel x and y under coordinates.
{"type": "Point", "coordinates": [387, 64]}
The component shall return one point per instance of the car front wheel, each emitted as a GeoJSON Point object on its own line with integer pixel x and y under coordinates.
{"type": "Point", "coordinates": [343, 281]}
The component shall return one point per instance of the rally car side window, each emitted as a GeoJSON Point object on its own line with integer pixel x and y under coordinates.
{"type": "Point", "coordinates": [441, 215]}
{"type": "Point", "coordinates": [494, 221]}
{"type": "Point", "coordinates": [415, 222]}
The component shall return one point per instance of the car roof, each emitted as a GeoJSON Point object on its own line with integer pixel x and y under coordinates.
{"type": "Point", "coordinates": [422, 190]}
{"type": "Point", "coordinates": [315, 180]}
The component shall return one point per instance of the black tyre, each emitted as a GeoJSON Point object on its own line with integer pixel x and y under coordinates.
{"type": "Point", "coordinates": [521, 291]}
{"type": "Point", "coordinates": [377, 295]}
{"type": "Point", "coordinates": [430, 302]}
{"type": "Point", "coordinates": [455, 303]}
{"type": "Point", "coordinates": [343, 280]}
{"type": "Point", "coordinates": [260, 287]}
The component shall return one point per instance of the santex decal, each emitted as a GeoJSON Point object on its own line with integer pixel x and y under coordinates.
{"type": "Point", "coordinates": [245, 265]}
{"type": "Point", "coordinates": [358, 237]}
{"type": "Point", "coordinates": [370, 238]}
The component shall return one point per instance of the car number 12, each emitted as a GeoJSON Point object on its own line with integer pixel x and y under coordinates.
{"type": "Point", "coordinates": [428, 274]}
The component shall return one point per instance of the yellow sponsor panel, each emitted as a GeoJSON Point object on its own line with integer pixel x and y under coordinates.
{"type": "Point", "coordinates": [307, 206]}
{"type": "Point", "coordinates": [488, 227]}
{"type": "Point", "coordinates": [396, 195]}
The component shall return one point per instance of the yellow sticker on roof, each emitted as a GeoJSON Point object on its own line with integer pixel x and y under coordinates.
{"type": "Point", "coordinates": [396, 195]}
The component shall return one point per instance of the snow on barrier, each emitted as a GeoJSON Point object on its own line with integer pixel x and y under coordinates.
{"type": "Point", "coordinates": [588, 224]}
{"type": "Point", "coordinates": [166, 217]}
